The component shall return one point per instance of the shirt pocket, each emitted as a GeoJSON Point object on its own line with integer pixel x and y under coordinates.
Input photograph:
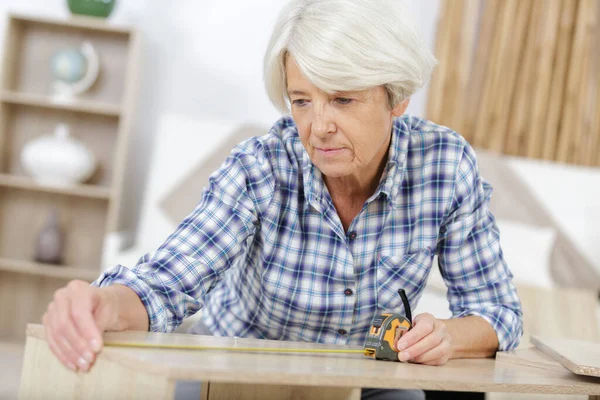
{"type": "Point", "coordinates": [408, 272]}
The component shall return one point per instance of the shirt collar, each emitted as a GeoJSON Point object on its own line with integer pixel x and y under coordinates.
{"type": "Point", "coordinates": [391, 179]}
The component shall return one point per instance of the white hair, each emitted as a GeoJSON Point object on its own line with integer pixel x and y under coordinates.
{"type": "Point", "coordinates": [348, 45]}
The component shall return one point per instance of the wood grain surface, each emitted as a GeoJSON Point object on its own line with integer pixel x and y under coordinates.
{"type": "Point", "coordinates": [475, 375]}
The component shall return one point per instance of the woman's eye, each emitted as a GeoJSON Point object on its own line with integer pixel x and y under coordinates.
{"type": "Point", "coordinates": [299, 102]}
{"type": "Point", "coordinates": [343, 100]}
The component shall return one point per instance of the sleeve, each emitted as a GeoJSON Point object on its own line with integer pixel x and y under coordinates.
{"type": "Point", "coordinates": [173, 281]}
{"type": "Point", "coordinates": [470, 257]}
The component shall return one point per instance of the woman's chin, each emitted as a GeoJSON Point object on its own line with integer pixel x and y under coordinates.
{"type": "Point", "coordinates": [334, 170]}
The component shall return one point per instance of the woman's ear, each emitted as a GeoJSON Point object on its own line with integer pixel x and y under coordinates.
{"type": "Point", "coordinates": [400, 108]}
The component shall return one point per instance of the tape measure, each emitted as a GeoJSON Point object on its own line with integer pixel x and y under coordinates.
{"type": "Point", "coordinates": [380, 342]}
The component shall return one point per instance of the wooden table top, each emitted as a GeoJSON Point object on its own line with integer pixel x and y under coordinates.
{"type": "Point", "coordinates": [341, 370]}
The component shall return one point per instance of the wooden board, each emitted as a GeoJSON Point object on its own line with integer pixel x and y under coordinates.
{"type": "Point", "coordinates": [331, 370]}
{"type": "Point", "coordinates": [485, 37]}
{"type": "Point", "coordinates": [581, 357]}
{"type": "Point", "coordinates": [520, 111]}
{"type": "Point", "coordinates": [559, 78]}
{"type": "Point", "coordinates": [530, 357]}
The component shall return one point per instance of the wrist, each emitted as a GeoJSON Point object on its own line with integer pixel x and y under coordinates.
{"type": "Point", "coordinates": [110, 296]}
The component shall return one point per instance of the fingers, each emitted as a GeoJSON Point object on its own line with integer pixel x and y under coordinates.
{"type": "Point", "coordinates": [56, 350]}
{"type": "Point", "coordinates": [65, 333]}
{"type": "Point", "coordinates": [82, 313]}
{"type": "Point", "coordinates": [423, 326]}
{"type": "Point", "coordinates": [71, 332]}
{"type": "Point", "coordinates": [437, 356]}
{"type": "Point", "coordinates": [428, 342]}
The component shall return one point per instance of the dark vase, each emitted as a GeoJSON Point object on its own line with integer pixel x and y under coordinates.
{"type": "Point", "coordinates": [93, 8]}
{"type": "Point", "coordinates": [49, 244]}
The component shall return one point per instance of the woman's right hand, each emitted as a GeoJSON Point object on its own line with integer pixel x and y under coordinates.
{"type": "Point", "coordinates": [75, 321]}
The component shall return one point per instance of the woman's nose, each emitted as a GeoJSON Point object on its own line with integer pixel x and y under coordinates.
{"type": "Point", "coordinates": [323, 123]}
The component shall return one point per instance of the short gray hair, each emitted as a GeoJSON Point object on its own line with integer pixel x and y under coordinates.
{"type": "Point", "coordinates": [348, 45]}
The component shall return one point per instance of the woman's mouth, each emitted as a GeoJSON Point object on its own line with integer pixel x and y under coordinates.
{"type": "Point", "coordinates": [330, 151]}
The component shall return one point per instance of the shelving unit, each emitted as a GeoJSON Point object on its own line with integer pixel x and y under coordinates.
{"type": "Point", "coordinates": [100, 118]}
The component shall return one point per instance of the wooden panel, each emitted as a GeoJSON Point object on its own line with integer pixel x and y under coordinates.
{"type": "Point", "coordinates": [442, 52]}
{"type": "Point", "coordinates": [22, 216]}
{"type": "Point", "coordinates": [575, 97]}
{"type": "Point", "coordinates": [488, 28]}
{"type": "Point", "coordinates": [43, 374]}
{"type": "Point", "coordinates": [559, 77]}
{"type": "Point", "coordinates": [529, 106]}
{"type": "Point", "coordinates": [97, 133]}
{"type": "Point", "coordinates": [544, 51]}
{"type": "Point", "coordinates": [226, 391]}
{"type": "Point", "coordinates": [532, 88]}
{"type": "Point", "coordinates": [499, 84]}
{"type": "Point", "coordinates": [590, 135]}
{"type": "Point", "coordinates": [531, 357]}
{"type": "Point", "coordinates": [39, 43]}
{"type": "Point", "coordinates": [581, 357]}
{"type": "Point", "coordinates": [520, 110]}
{"type": "Point", "coordinates": [481, 375]}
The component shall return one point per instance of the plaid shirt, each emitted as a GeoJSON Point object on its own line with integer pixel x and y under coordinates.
{"type": "Point", "coordinates": [265, 255]}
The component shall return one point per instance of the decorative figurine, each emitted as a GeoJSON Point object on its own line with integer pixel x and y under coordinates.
{"type": "Point", "coordinates": [49, 244]}
{"type": "Point", "coordinates": [74, 71]}
{"type": "Point", "coordinates": [58, 159]}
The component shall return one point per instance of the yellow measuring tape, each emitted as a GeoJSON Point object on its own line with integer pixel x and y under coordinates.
{"type": "Point", "coordinates": [224, 348]}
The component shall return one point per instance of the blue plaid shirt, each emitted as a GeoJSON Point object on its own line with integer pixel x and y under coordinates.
{"type": "Point", "coordinates": [265, 255]}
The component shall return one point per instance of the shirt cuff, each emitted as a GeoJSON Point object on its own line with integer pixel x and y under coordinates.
{"type": "Point", "coordinates": [155, 308]}
{"type": "Point", "coordinates": [506, 324]}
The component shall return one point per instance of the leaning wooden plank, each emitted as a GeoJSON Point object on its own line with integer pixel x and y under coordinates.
{"type": "Point", "coordinates": [481, 68]}
{"type": "Point", "coordinates": [596, 156]}
{"type": "Point", "coordinates": [435, 97]}
{"type": "Point", "coordinates": [545, 48]}
{"type": "Point", "coordinates": [516, 23]}
{"type": "Point", "coordinates": [449, 85]}
{"type": "Point", "coordinates": [559, 74]}
{"type": "Point", "coordinates": [569, 129]}
{"type": "Point", "coordinates": [520, 113]}
{"type": "Point", "coordinates": [459, 71]}
{"type": "Point", "coordinates": [591, 106]}
{"type": "Point", "coordinates": [501, 41]}
{"type": "Point", "coordinates": [580, 356]}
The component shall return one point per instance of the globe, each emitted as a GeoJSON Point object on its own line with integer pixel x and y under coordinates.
{"type": "Point", "coordinates": [69, 65]}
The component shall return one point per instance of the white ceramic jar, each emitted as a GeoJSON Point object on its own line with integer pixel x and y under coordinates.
{"type": "Point", "coordinates": [58, 159]}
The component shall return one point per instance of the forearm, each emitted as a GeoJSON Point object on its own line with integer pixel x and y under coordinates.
{"type": "Point", "coordinates": [471, 337]}
{"type": "Point", "coordinates": [132, 314]}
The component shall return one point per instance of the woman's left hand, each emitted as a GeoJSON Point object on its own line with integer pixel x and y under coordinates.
{"type": "Point", "coordinates": [428, 342]}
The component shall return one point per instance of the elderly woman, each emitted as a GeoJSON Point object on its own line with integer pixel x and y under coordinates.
{"type": "Point", "coordinates": [308, 232]}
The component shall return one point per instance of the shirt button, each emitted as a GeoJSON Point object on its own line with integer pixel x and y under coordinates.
{"type": "Point", "coordinates": [348, 292]}
{"type": "Point", "coordinates": [342, 332]}
{"type": "Point", "coordinates": [352, 235]}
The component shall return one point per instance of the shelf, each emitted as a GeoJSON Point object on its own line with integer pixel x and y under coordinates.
{"type": "Point", "coordinates": [75, 21]}
{"type": "Point", "coordinates": [83, 106]}
{"type": "Point", "coordinates": [47, 270]}
{"type": "Point", "coordinates": [23, 182]}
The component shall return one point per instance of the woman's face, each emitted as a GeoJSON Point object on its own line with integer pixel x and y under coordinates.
{"type": "Point", "coordinates": [345, 133]}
